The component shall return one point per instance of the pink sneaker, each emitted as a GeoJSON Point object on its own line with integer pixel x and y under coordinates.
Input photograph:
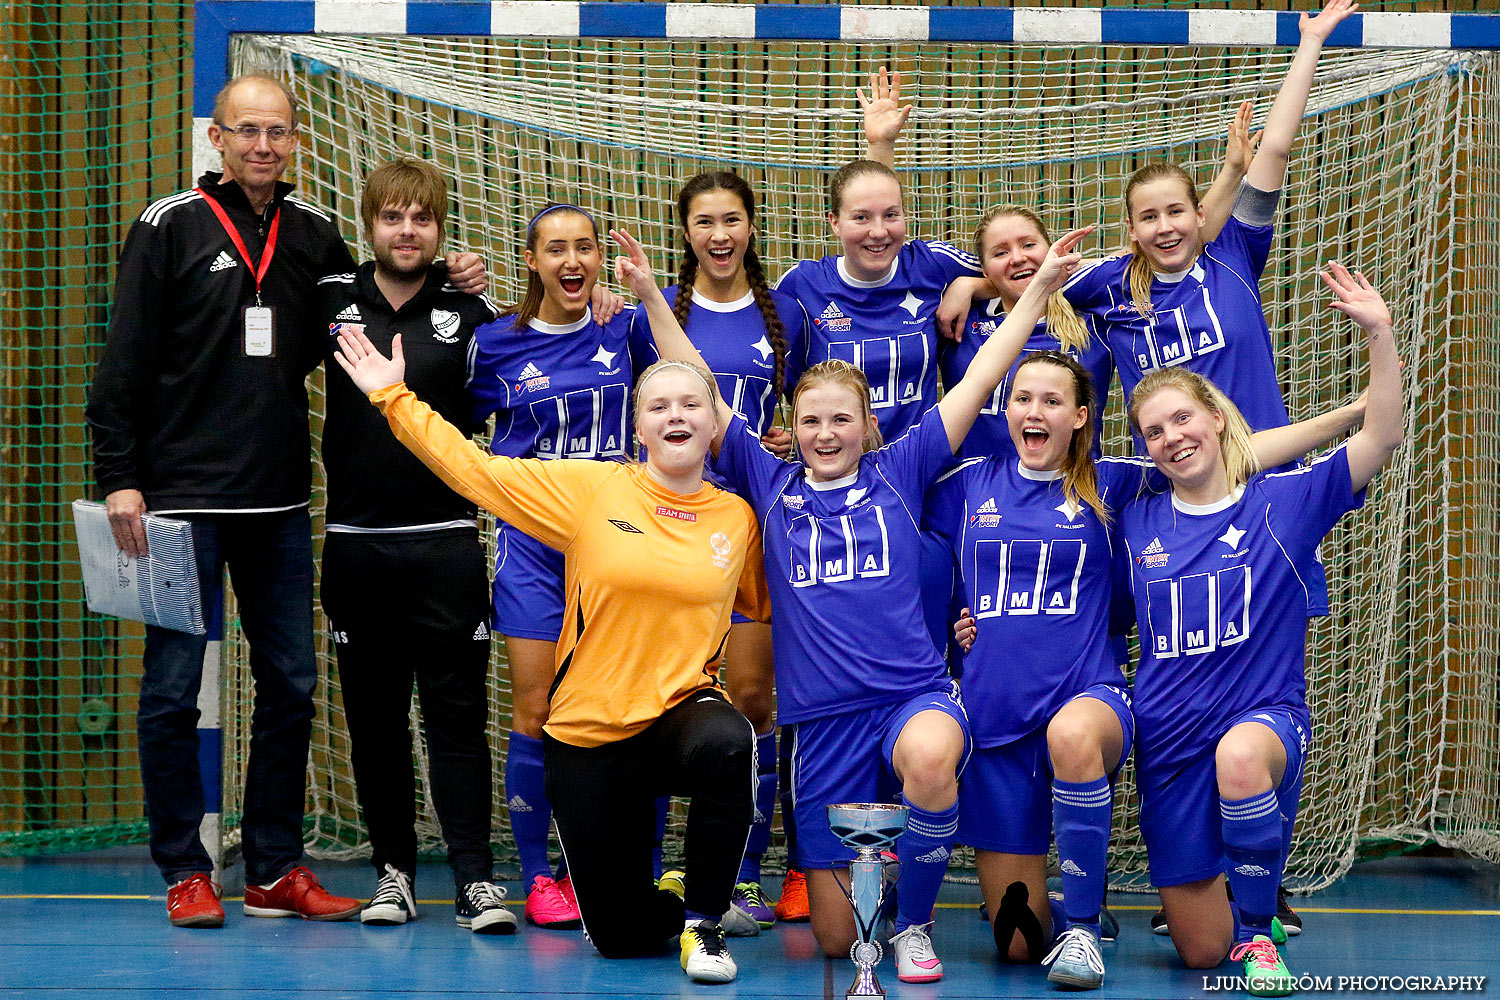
{"type": "Point", "coordinates": [566, 885]}
{"type": "Point", "coordinates": [548, 905]}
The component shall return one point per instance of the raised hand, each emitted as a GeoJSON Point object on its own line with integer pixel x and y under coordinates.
{"type": "Point", "coordinates": [1321, 24]}
{"type": "Point", "coordinates": [1061, 261]}
{"type": "Point", "coordinates": [884, 114]}
{"type": "Point", "coordinates": [369, 369]}
{"type": "Point", "coordinates": [1242, 142]}
{"type": "Point", "coordinates": [633, 268]}
{"type": "Point", "coordinates": [1355, 297]}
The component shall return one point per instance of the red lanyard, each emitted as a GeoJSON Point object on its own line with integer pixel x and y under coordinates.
{"type": "Point", "coordinates": [260, 269]}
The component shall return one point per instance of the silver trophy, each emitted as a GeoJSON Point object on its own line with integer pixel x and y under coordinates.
{"type": "Point", "coordinates": [868, 828]}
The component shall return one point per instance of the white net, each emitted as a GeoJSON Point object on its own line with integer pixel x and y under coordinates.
{"type": "Point", "coordinates": [1395, 172]}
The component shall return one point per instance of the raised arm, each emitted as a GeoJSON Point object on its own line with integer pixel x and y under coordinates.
{"type": "Point", "coordinates": [633, 270]}
{"type": "Point", "coordinates": [1371, 448]}
{"type": "Point", "coordinates": [1280, 445]}
{"type": "Point", "coordinates": [1239, 151]}
{"type": "Point", "coordinates": [1269, 167]}
{"type": "Point", "coordinates": [960, 405]}
{"type": "Point", "coordinates": [885, 116]}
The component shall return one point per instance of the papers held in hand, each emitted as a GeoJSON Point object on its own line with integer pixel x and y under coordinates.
{"type": "Point", "coordinates": [160, 589]}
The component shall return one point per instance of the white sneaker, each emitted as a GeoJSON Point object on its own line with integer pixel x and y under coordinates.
{"type": "Point", "coordinates": [705, 956]}
{"type": "Point", "coordinates": [916, 962]}
{"type": "Point", "coordinates": [392, 902]}
{"type": "Point", "coordinates": [1076, 960]}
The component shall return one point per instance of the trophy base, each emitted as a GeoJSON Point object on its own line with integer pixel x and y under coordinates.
{"type": "Point", "coordinates": [865, 985]}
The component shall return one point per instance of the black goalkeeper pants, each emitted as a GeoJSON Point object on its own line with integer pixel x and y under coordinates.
{"type": "Point", "coordinates": [604, 803]}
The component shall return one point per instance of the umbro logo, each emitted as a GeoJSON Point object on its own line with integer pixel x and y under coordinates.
{"type": "Point", "coordinates": [350, 313]}
{"type": "Point", "coordinates": [1071, 868]}
{"type": "Point", "coordinates": [517, 805]}
{"type": "Point", "coordinates": [482, 632]}
{"type": "Point", "coordinates": [626, 527]}
{"type": "Point", "coordinates": [1152, 549]}
{"type": "Point", "coordinates": [223, 261]}
{"type": "Point", "coordinates": [988, 507]}
{"type": "Point", "coordinates": [530, 371]}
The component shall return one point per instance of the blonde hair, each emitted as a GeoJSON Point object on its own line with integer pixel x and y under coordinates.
{"type": "Point", "coordinates": [1062, 322]}
{"type": "Point", "coordinates": [1138, 272]}
{"type": "Point", "coordinates": [850, 377]}
{"type": "Point", "coordinates": [1235, 450]}
{"type": "Point", "coordinates": [1080, 480]}
{"type": "Point", "coordinates": [709, 383]}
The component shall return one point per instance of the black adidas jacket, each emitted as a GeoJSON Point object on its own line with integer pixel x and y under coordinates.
{"type": "Point", "coordinates": [374, 482]}
{"type": "Point", "coordinates": [177, 410]}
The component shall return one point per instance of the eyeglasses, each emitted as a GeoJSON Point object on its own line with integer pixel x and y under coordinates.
{"type": "Point", "coordinates": [249, 134]}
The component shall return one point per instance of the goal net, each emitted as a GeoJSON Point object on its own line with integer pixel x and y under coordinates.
{"type": "Point", "coordinates": [1394, 172]}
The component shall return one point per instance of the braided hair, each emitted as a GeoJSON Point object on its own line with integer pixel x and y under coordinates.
{"type": "Point", "coordinates": [687, 274]}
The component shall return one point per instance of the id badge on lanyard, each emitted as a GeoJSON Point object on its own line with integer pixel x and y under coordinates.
{"type": "Point", "coordinates": [258, 321]}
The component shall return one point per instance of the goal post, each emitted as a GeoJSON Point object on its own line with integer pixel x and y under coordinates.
{"type": "Point", "coordinates": [1396, 171]}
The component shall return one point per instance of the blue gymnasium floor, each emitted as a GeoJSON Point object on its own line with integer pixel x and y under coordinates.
{"type": "Point", "coordinates": [94, 925]}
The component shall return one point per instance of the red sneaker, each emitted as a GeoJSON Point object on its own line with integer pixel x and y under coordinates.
{"type": "Point", "coordinates": [792, 906]}
{"type": "Point", "coordinates": [298, 894]}
{"type": "Point", "coordinates": [565, 885]}
{"type": "Point", "coordinates": [548, 906]}
{"type": "Point", "coordinates": [194, 902]}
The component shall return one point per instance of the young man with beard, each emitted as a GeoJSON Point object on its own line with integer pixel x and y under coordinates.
{"type": "Point", "coordinates": [404, 579]}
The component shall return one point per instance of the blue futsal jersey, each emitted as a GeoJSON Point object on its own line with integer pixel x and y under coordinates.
{"type": "Point", "coordinates": [557, 391]}
{"type": "Point", "coordinates": [990, 435]}
{"type": "Point", "coordinates": [1037, 575]}
{"type": "Point", "coordinates": [1209, 318]}
{"type": "Point", "coordinates": [733, 340]}
{"type": "Point", "coordinates": [884, 327]}
{"type": "Point", "coordinates": [1221, 603]}
{"type": "Point", "coordinates": [842, 568]}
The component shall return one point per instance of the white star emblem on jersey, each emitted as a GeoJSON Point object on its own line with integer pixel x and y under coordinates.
{"type": "Point", "coordinates": [911, 303]}
{"type": "Point", "coordinates": [1067, 508]}
{"type": "Point", "coordinates": [763, 347]}
{"type": "Point", "coordinates": [605, 358]}
{"type": "Point", "coordinates": [1232, 537]}
{"type": "Point", "coordinates": [854, 496]}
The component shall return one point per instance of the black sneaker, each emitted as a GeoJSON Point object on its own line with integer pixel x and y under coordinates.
{"type": "Point", "coordinates": [480, 906]}
{"type": "Point", "coordinates": [392, 902]}
{"type": "Point", "coordinates": [1159, 922]}
{"type": "Point", "coordinates": [1290, 921]}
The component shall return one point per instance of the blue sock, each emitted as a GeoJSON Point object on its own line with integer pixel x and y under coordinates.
{"type": "Point", "coordinates": [663, 806]}
{"type": "Point", "coordinates": [1080, 819]}
{"type": "Point", "coordinates": [923, 849]}
{"type": "Point", "coordinates": [530, 810]}
{"type": "Point", "coordinates": [1253, 845]}
{"type": "Point", "coordinates": [1059, 917]}
{"type": "Point", "coordinates": [765, 807]}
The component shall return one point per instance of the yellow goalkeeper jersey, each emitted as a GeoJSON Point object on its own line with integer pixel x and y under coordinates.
{"type": "Point", "coordinates": [651, 575]}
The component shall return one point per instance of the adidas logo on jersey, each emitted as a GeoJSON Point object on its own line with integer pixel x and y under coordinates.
{"type": "Point", "coordinates": [530, 371]}
{"type": "Point", "coordinates": [223, 261]}
{"type": "Point", "coordinates": [1153, 556]}
{"type": "Point", "coordinates": [988, 507]}
{"type": "Point", "coordinates": [482, 633]}
{"type": "Point", "coordinates": [531, 378]}
{"type": "Point", "coordinates": [936, 856]}
{"type": "Point", "coordinates": [350, 313]}
{"type": "Point", "coordinates": [1252, 870]}
{"type": "Point", "coordinates": [517, 805]}
{"type": "Point", "coordinates": [1070, 868]}
{"type": "Point", "coordinates": [834, 321]}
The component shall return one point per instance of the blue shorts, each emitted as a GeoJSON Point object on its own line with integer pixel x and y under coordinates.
{"type": "Point", "coordinates": [847, 758]}
{"type": "Point", "coordinates": [528, 587]}
{"type": "Point", "coordinates": [1180, 818]}
{"type": "Point", "coordinates": [1005, 799]}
